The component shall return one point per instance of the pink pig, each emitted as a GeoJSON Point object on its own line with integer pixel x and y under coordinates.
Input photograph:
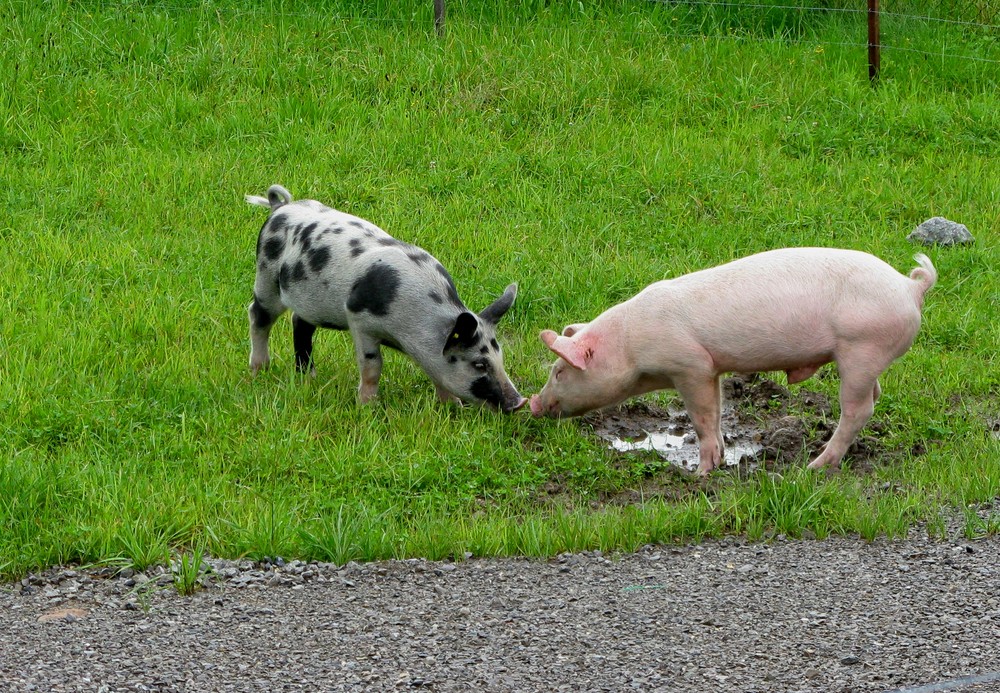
{"type": "Point", "coordinates": [791, 310]}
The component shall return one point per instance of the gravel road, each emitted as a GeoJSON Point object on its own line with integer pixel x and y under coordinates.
{"type": "Point", "coordinates": [835, 615]}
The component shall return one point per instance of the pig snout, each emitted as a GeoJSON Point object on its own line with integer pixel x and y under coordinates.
{"type": "Point", "coordinates": [536, 405]}
{"type": "Point", "coordinates": [510, 399]}
{"type": "Point", "coordinates": [521, 401]}
{"type": "Point", "coordinates": [539, 407]}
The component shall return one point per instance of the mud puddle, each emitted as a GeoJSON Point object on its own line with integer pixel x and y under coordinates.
{"type": "Point", "coordinates": [670, 434]}
{"type": "Point", "coordinates": [764, 425]}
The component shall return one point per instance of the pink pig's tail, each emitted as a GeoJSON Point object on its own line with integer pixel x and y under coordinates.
{"type": "Point", "coordinates": [925, 276]}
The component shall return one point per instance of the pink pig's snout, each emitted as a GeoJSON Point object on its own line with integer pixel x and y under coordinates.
{"type": "Point", "coordinates": [536, 405]}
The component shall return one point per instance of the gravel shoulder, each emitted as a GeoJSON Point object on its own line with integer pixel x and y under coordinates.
{"type": "Point", "coordinates": [833, 615]}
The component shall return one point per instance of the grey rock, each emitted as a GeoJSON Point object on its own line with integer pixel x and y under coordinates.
{"type": "Point", "coordinates": [941, 231]}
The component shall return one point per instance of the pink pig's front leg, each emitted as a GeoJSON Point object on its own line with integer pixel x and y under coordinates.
{"type": "Point", "coordinates": [703, 401]}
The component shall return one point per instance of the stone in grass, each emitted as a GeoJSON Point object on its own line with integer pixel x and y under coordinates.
{"type": "Point", "coordinates": [941, 231]}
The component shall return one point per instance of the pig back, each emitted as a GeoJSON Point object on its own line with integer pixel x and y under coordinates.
{"type": "Point", "coordinates": [785, 308]}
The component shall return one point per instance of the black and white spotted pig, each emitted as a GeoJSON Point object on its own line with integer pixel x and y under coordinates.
{"type": "Point", "coordinates": [340, 272]}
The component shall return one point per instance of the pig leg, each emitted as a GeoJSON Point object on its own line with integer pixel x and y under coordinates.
{"type": "Point", "coordinates": [368, 351]}
{"type": "Point", "coordinates": [302, 335]}
{"type": "Point", "coordinates": [703, 401]}
{"type": "Point", "coordinates": [859, 389]}
{"type": "Point", "coordinates": [265, 308]}
{"type": "Point", "coordinates": [446, 396]}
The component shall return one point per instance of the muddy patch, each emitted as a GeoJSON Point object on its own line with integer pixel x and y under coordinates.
{"type": "Point", "coordinates": [643, 426]}
{"type": "Point", "coordinates": [764, 425]}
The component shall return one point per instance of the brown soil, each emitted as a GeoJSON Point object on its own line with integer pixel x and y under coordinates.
{"type": "Point", "coordinates": [765, 425]}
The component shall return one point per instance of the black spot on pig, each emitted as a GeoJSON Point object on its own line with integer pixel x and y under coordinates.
{"type": "Point", "coordinates": [259, 314]}
{"type": "Point", "coordinates": [371, 355]}
{"type": "Point", "coordinates": [436, 297]}
{"type": "Point", "coordinates": [319, 258]}
{"type": "Point", "coordinates": [356, 247]}
{"type": "Point", "coordinates": [484, 350]}
{"type": "Point", "coordinates": [374, 291]}
{"type": "Point", "coordinates": [495, 344]}
{"type": "Point", "coordinates": [273, 247]}
{"type": "Point", "coordinates": [357, 224]}
{"type": "Point", "coordinates": [387, 242]}
{"type": "Point", "coordinates": [487, 389]}
{"type": "Point", "coordinates": [277, 222]}
{"type": "Point", "coordinates": [288, 274]}
{"type": "Point", "coordinates": [452, 291]}
{"type": "Point", "coordinates": [418, 256]}
{"type": "Point", "coordinates": [274, 226]}
{"type": "Point", "coordinates": [337, 229]}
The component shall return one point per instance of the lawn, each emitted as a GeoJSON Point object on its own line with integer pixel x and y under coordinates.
{"type": "Point", "coordinates": [583, 152]}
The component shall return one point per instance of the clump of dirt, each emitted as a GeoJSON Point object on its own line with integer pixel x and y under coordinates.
{"type": "Point", "coordinates": [764, 424]}
{"type": "Point", "coordinates": [994, 426]}
{"type": "Point", "coordinates": [646, 426]}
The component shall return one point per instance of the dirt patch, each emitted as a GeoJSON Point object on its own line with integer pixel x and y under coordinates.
{"type": "Point", "coordinates": [764, 424]}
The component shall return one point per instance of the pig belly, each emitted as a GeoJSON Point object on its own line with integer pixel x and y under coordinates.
{"type": "Point", "coordinates": [323, 308]}
{"type": "Point", "coordinates": [774, 343]}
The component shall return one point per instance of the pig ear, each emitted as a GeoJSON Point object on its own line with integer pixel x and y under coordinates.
{"type": "Point", "coordinates": [463, 334]}
{"type": "Point", "coordinates": [571, 330]}
{"type": "Point", "coordinates": [496, 310]}
{"type": "Point", "coordinates": [567, 349]}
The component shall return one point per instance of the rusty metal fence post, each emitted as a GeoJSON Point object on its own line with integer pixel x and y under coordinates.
{"type": "Point", "coordinates": [874, 42]}
{"type": "Point", "coordinates": [439, 17]}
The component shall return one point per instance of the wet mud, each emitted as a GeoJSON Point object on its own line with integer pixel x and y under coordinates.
{"type": "Point", "coordinates": [764, 424]}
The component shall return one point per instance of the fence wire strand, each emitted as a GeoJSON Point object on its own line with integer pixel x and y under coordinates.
{"type": "Point", "coordinates": [895, 18]}
{"type": "Point", "coordinates": [892, 20]}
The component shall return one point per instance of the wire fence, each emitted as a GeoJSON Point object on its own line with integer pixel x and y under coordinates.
{"type": "Point", "coordinates": [942, 29]}
{"type": "Point", "coordinates": [975, 12]}
{"type": "Point", "coordinates": [963, 30]}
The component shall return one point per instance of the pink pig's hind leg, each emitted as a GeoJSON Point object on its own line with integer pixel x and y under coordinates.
{"type": "Point", "coordinates": [703, 401]}
{"type": "Point", "coordinates": [859, 389]}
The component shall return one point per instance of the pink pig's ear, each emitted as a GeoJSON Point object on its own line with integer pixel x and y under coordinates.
{"type": "Point", "coordinates": [567, 349]}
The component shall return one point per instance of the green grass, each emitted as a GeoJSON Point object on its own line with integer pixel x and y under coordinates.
{"type": "Point", "coordinates": [583, 153]}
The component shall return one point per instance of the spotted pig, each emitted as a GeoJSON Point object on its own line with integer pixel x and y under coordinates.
{"type": "Point", "coordinates": [340, 272]}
